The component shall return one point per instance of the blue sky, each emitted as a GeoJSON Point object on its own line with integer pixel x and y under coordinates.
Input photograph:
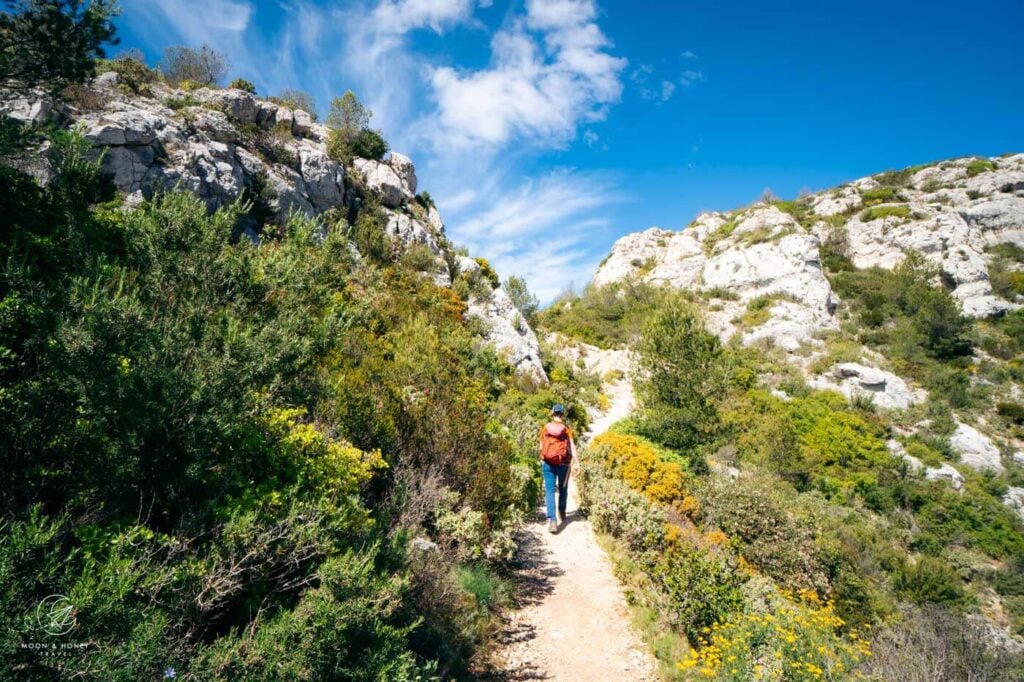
{"type": "Point", "coordinates": [546, 129]}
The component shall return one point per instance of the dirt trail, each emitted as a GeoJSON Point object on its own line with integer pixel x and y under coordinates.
{"type": "Point", "coordinates": [572, 622]}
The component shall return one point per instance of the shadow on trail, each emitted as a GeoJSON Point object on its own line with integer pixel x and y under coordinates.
{"type": "Point", "coordinates": [533, 575]}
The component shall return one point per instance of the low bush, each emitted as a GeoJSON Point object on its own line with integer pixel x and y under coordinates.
{"type": "Point", "coordinates": [787, 640]}
{"type": "Point", "coordinates": [885, 211]}
{"type": "Point", "coordinates": [932, 643]}
{"type": "Point", "coordinates": [979, 166]}
{"type": "Point", "coordinates": [242, 84]}
{"type": "Point", "coordinates": [881, 195]}
{"type": "Point", "coordinates": [702, 587]}
{"type": "Point", "coordinates": [132, 73]}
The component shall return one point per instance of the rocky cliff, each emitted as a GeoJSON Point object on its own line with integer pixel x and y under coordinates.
{"type": "Point", "coordinates": [225, 144]}
{"type": "Point", "coordinates": [757, 273]}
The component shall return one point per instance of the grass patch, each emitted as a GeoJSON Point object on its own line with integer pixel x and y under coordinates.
{"type": "Point", "coordinates": [889, 211]}
{"type": "Point", "coordinates": [979, 166]}
{"type": "Point", "coordinates": [882, 195]}
{"type": "Point", "coordinates": [724, 231]}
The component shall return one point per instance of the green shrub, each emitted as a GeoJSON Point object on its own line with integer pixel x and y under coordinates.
{"type": "Point", "coordinates": [979, 166]}
{"type": "Point", "coordinates": [132, 73]}
{"type": "Point", "coordinates": [1012, 411]}
{"type": "Point", "coordinates": [242, 84]}
{"type": "Point", "coordinates": [929, 581]}
{"type": "Point", "coordinates": [702, 589]}
{"type": "Point", "coordinates": [679, 377]}
{"type": "Point", "coordinates": [369, 144]}
{"type": "Point", "coordinates": [881, 195]}
{"type": "Point", "coordinates": [886, 211]}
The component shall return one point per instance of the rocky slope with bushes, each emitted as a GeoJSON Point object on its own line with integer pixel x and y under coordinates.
{"type": "Point", "coordinates": [221, 144]}
{"type": "Point", "coordinates": [259, 418]}
{"type": "Point", "coordinates": [824, 467]}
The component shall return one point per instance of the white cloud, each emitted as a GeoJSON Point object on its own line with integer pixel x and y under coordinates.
{"type": "Point", "coordinates": [550, 69]}
{"type": "Point", "coordinates": [667, 88]}
{"type": "Point", "coordinates": [691, 76]}
{"type": "Point", "coordinates": [689, 54]}
{"type": "Point", "coordinates": [549, 230]}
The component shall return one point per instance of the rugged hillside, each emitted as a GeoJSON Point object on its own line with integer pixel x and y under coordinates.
{"type": "Point", "coordinates": [761, 274]}
{"type": "Point", "coordinates": [259, 419]}
{"type": "Point", "coordinates": [828, 434]}
{"type": "Point", "coordinates": [220, 144]}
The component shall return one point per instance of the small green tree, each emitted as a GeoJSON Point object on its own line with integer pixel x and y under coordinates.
{"type": "Point", "coordinates": [679, 375]}
{"type": "Point", "coordinates": [348, 114]}
{"type": "Point", "coordinates": [205, 65]}
{"type": "Point", "coordinates": [350, 135]}
{"type": "Point", "coordinates": [525, 301]}
{"type": "Point", "coordinates": [51, 44]}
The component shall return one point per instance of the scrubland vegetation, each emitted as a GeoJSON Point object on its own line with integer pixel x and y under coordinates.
{"type": "Point", "coordinates": [821, 550]}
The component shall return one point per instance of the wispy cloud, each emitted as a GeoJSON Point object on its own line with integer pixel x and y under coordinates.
{"type": "Point", "coordinates": [546, 229]}
{"type": "Point", "coordinates": [689, 54]}
{"type": "Point", "coordinates": [661, 91]}
{"type": "Point", "coordinates": [690, 77]}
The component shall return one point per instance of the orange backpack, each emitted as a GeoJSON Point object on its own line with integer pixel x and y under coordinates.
{"type": "Point", "coordinates": [554, 443]}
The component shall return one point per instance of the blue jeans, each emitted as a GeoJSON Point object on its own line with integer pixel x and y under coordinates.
{"type": "Point", "coordinates": [555, 474]}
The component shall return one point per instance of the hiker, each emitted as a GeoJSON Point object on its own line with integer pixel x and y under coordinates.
{"type": "Point", "coordinates": [557, 452]}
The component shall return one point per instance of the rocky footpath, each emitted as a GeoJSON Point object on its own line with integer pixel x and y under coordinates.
{"type": "Point", "coordinates": [221, 143]}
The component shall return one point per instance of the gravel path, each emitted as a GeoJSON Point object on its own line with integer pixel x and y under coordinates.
{"type": "Point", "coordinates": [572, 621]}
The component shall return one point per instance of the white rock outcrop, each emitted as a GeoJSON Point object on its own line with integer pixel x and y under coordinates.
{"type": "Point", "coordinates": [1014, 499]}
{"type": "Point", "coordinates": [885, 388]}
{"type": "Point", "coordinates": [507, 329]}
{"type": "Point", "coordinates": [948, 213]}
{"type": "Point", "coordinates": [976, 450]}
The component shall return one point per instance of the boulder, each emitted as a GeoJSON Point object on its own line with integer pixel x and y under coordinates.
{"type": "Point", "coordinates": [406, 171]}
{"type": "Point", "coordinates": [238, 104]}
{"type": "Point", "coordinates": [1014, 499]}
{"type": "Point", "coordinates": [976, 450]}
{"type": "Point", "coordinates": [946, 473]}
{"type": "Point", "coordinates": [382, 178]}
{"type": "Point", "coordinates": [323, 178]}
{"type": "Point", "coordinates": [885, 388]}
{"type": "Point", "coordinates": [407, 230]}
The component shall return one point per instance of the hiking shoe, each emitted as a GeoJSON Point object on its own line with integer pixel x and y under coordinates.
{"type": "Point", "coordinates": [552, 527]}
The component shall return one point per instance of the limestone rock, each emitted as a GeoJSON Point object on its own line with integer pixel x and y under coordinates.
{"type": "Point", "coordinates": [886, 389]}
{"type": "Point", "coordinates": [976, 449]}
{"type": "Point", "coordinates": [943, 472]}
{"type": "Point", "coordinates": [507, 330]}
{"type": "Point", "coordinates": [406, 171]}
{"type": "Point", "coordinates": [324, 178]}
{"type": "Point", "coordinates": [238, 104]}
{"type": "Point", "coordinates": [382, 178]}
{"type": "Point", "coordinates": [408, 231]}
{"type": "Point", "coordinates": [1014, 499]}
{"type": "Point", "coordinates": [946, 473]}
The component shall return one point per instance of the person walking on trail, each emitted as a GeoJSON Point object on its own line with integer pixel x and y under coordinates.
{"type": "Point", "coordinates": [557, 454]}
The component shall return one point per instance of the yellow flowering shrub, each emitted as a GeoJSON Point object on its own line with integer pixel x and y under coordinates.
{"type": "Point", "coordinates": [798, 639]}
{"type": "Point", "coordinates": [324, 464]}
{"type": "Point", "coordinates": [640, 466]}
